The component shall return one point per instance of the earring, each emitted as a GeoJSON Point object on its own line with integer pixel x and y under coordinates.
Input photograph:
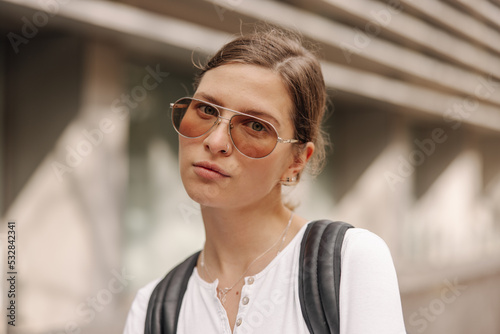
{"type": "Point", "coordinates": [289, 181]}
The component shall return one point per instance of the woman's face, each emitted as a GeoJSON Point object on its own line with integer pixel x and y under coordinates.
{"type": "Point", "coordinates": [214, 173]}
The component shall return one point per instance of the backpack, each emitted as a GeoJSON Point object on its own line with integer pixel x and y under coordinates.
{"type": "Point", "coordinates": [319, 283]}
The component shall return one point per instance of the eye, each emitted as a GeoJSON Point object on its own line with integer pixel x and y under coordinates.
{"type": "Point", "coordinates": [256, 126]}
{"type": "Point", "coordinates": [208, 110]}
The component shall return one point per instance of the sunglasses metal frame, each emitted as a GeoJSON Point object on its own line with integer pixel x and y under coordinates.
{"type": "Point", "coordinates": [229, 126]}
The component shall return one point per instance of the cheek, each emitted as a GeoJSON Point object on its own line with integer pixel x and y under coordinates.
{"type": "Point", "coordinates": [267, 173]}
{"type": "Point", "coordinates": [182, 154]}
{"type": "Point", "coordinates": [185, 142]}
{"type": "Point", "coordinates": [189, 146]}
{"type": "Point", "coordinates": [189, 152]}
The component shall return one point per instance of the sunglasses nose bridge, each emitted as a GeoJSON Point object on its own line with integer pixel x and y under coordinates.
{"type": "Point", "coordinates": [230, 125]}
{"type": "Point", "coordinates": [219, 121]}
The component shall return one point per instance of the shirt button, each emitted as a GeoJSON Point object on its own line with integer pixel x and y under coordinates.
{"type": "Point", "coordinates": [245, 300]}
{"type": "Point", "coordinates": [250, 280]}
{"type": "Point", "coordinates": [238, 322]}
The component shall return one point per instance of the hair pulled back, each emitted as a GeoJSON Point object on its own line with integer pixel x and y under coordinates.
{"type": "Point", "coordinates": [283, 52]}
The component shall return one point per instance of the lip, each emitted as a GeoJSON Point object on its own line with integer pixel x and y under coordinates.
{"type": "Point", "coordinates": [209, 170]}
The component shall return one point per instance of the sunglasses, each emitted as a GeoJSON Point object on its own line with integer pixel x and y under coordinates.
{"type": "Point", "coordinates": [252, 136]}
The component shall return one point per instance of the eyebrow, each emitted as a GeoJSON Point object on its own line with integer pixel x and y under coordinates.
{"type": "Point", "coordinates": [253, 112]}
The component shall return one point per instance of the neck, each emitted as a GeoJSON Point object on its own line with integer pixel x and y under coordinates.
{"type": "Point", "coordinates": [236, 237]}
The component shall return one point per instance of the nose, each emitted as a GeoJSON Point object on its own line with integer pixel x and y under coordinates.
{"type": "Point", "coordinates": [219, 140]}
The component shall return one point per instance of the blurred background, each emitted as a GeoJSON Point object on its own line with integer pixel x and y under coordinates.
{"type": "Point", "coordinates": [88, 158]}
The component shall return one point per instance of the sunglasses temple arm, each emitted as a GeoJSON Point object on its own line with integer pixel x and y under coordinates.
{"type": "Point", "coordinates": [287, 141]}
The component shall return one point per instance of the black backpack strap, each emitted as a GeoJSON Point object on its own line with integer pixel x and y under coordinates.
{"type": "Point", "coordinates": [165, 303]}
{"type": "Point", "coordinates": [319, 275]}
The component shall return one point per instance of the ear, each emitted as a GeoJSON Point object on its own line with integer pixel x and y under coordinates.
{"type": "Point", "coordinates": [299, 162]}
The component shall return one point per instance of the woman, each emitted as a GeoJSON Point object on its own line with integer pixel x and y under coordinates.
{"type": "Point", "coordinates": [252, 126]}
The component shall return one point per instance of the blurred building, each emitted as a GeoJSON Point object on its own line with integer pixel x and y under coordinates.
{"type": "Point", "coordinates": [88, 156]}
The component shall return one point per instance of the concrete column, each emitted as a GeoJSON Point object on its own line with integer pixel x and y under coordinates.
{"type": "Point", "coordinates": [69, 210]}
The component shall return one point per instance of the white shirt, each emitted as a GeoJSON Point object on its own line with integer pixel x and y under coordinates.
{"type": "Point", "coordinates": [369, 295]}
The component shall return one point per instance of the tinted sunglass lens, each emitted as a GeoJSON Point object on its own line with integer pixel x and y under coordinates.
{"type": "Point", "coordinates": [253, 137]}
{"type": "Point", "coordinates": [192, 118]}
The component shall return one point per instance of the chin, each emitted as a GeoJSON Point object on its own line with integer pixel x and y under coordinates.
{"type": "Point", "coordinates": [204, 193]}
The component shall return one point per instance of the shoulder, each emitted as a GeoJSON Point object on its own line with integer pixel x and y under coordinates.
{"type": "Point", "coordinates": [361, 242]}
{"type": "Point", "coordinates": [367, 261]}
{"type": "Point", "coordinates": [137, 313]}
{"type": "Point", "coordinates": [369, 293]}
{"type": "Point", "coordinates": [145, 292]}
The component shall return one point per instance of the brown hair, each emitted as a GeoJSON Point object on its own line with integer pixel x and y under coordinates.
{"type": "Point", "coordinates": [284, 53]}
